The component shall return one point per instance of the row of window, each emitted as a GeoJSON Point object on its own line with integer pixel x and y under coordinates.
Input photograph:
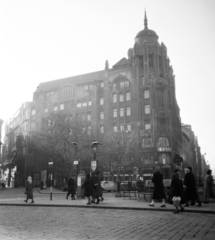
{"type": "Point", "coordinates": [121, 85]}
{"type": "Point", "coordinates": [122, 111]}
{"type": "Point", "coordinates": [101, 102]}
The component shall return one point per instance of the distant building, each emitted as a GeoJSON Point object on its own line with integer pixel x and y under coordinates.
{"type": "Point", "coordinates": [1, 123]}
{"type": "Point", "coordinates": [13, 157]}
{"type": "Point", "coordinates": [136, 97]}
{"type": "Point", "coordinates": [191, 151]}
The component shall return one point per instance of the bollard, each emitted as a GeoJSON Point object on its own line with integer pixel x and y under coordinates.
{"type": "Point", "coordinates": [51, 189]}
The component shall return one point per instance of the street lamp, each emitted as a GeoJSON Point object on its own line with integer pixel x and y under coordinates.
{"type": "Point", "coordinates": [94, 163]}
{"type": "Point", "coordinates": [50, 166]}
{"type": "Point", "coordinates": [76, 162]}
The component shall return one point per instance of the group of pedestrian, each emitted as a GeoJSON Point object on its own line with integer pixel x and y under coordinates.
{"type": "Point", "coordinates": [181, 192]}
{"type": "Point", "coordinates": [93, 189]}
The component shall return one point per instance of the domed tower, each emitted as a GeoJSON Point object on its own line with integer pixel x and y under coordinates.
{"type": "Point", "coordinates": [159, 117]}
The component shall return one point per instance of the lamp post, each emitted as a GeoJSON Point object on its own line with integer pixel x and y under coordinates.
{"type": "Point", "coordinates": [76, 162]}
{"type": "Point", "coordinates": [94, 163]}
{"type": "Point", "coordinates": [50, 166]}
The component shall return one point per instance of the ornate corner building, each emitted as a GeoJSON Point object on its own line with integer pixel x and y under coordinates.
{"type": "Point", "coordinates": [136, 96]}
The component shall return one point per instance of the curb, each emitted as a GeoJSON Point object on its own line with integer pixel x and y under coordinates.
{"type": "Point", "coordinates": [104, 207]}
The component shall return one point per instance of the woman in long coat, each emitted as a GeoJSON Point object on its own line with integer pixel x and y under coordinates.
{"type": "Point", "coordinates": [208, 187]}
{"type": "Point", "coordinates": [29, 190]}
{"type": "Point", "coordinates": [96, 188]}
{"type": "Point", "coordinates": [190, 192]}
{"type": "Point", "coordinates": [88, 188]}
{"type": "Point", "coordinates": [176, 191]}
{"type": "Point", "coordinates": [158, 192]}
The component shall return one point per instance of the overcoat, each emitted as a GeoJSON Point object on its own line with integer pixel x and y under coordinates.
{"type": "Point", "coordinates": [190, 192]}
{"type": "Point", "coordinates": [29, 190]}
{"type": "Point", "coordinates": [96, 186]}
{"type": "Point", "coordinates": [158, 192]}
{"type": "Point", "coordinates": [176, 188]}
{"type": "Point", "coordinates": [208, 187]}
{"type": "Point", "coordinates": [88, 188]}
{"type": "Point", "coordinates": [71, 185]}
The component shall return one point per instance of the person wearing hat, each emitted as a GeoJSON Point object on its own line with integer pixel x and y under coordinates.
{"type": "Point", "coordinates": [208, 187]}
{"type": "Point", "coordinates": [190, 192]}
{"type": "Point", "coordinates": [71, 183]}
{"type": "Point", "coordinates": [176, 191]}
{"type": "Point", "coordinates": [158, 192]}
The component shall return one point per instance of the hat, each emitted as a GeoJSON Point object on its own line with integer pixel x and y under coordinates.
{"type": "Point", "coordinates": [189, 168]}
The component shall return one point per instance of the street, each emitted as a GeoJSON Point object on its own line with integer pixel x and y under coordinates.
{"type": "Point", "coordinates": [24, 222]}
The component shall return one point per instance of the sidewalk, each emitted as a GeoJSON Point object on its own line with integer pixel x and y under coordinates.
{"type": "Point", "coordinates": [15, 197]}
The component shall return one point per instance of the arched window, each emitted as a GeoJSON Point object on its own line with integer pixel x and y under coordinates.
{"type": "Point", "coordinates": [163, 142]}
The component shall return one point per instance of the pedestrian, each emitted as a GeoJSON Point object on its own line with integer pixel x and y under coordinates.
{"type": "Point", "coordinates": [100, 187]}
{"type": "Point", "coordinates": [208, 187]}
{"type": "Point", "coordinates": [176, 191]}
{"type": "Point", "coordinates": [158, 192]}
{"type": "Point", "coordinates": [190, 192]}
{"type": "Point", "coordinates": [92, 181]}
{"type": "Point", "coordinates": [88, 186]}
{"type": "Point", "coordinates": [96, 188]}
{"type": "Point", "coordinates": [29, 190]}
{"type": "Point", "coordinates": [71, 183]}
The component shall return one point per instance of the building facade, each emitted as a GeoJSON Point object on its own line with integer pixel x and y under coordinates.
{"type": "Point", "coordinates": [136, 98]}
{"type": "Point", "coordinates": [13, 156]}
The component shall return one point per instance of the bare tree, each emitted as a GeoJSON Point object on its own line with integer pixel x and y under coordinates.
{"type": "Point", "coordinates": [61, 141]}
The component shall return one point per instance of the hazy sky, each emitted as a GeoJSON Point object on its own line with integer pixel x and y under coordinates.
{"type": "Point", "coordinates": [43, 40]}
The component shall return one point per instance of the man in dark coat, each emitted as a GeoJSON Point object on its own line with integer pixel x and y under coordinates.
{"type": "Point", "coordinates": [158, 192]}
{"type": "Point", "coordinates": [190, 192]}
{"type": "Point", "coordinates": [71, 183]}
{"type": "Point", "coordinates": [88, 186]}
{"type": "Point", "coordinates": [100, 187]}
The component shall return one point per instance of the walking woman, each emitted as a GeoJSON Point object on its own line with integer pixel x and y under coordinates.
{"type": "Point", "coordinates": [208, 187]}
{"type": "Point", "coordinates": [190, 192]}
{"type": "Point", "coordinates": [158, 192]}
{"type": "Point", "coordinates": [29, 190]}
{"type": "Point", "coordinates": [176, 191]}
{"type": "Point", "coordinates": [88, 188]}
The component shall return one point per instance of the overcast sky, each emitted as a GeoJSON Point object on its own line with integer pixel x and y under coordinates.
{"type": "Point", "coordinates": [43, 40]}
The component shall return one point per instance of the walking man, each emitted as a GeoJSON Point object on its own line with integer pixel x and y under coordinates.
{"type": "Point", "coordinates": [71, 187]}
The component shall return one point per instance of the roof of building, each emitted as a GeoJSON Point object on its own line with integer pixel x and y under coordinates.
{"type": "Point", "coordinates": [54, 84]}
{"type": "Point", "coordinates": [123, 61]}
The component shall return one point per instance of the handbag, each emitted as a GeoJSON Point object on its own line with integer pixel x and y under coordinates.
{"type": "Point", "coordinates": [176, 201]}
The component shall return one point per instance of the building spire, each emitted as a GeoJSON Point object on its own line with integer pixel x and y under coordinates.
{"type": "Point", "coordinates": [145, 21]}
